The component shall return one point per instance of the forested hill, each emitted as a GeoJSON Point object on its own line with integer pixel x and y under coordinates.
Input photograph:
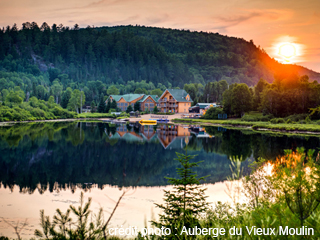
{"type": "Point", "coordinates": [116, 55]}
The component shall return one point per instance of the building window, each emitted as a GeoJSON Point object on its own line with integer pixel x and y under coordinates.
{"type": "Point", "coordinates": [126, 104]}
{"type": "Point", "coordinates": [151, 105]}
{"type": "Point", "coordinates": [185, 104]}
{"type": "Point", "coordinates": [146, 105]}
{"type": "Point", "coordinates": [122, 104]}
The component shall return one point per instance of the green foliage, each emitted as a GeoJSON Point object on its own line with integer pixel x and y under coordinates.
{"type": "Point", "coordinates": [96, 115]}
{"type": "Point", "coordinates": [256, 117]}
{"type": "Point", "coordinates": [102, 105]}
{"type": "Point", "coordinates": [15, 96]}
{"type": "Point", "coordinates": [155, 109]}
{"type": "Point", "coordinates": [33, 110]}
{"type": "Point", "coordinates": [289, 96]}
{"type": "Point", "coordinates": [129, 109]}
{"type": "Point", "coordinates": [212, 113]}
{"type": "Point", "coordinates": [241, 100]}
{"type": "Point", "coordinates": [157, 92]}
{"type": "Point", "coordinates": [92, 106]}
{"type": "Point", "coordinates": [277, 120]}
{"type": "Point", "coordinates": [213, 92]}
{"type": "Point", "coordinates": [112, 90]}
{"type": "Point", "coordinates": [87, 226]}
{"type": "Point", "coordinates": [141, 91]}
{"type": "Point", "coordinates": [184, 204]}
{"type": "Point", "coordinates": [75, 100]}
{"type": "Point", "coordinates": [286, 196]}
{"type": "Point", "coordinates": [136, 106]}
{"type": "Point", "coordinates": [66, 97]}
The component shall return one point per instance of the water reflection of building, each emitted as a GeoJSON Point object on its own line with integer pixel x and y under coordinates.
{"type": "Point", "coordinates": [200, 132]}
{"type": "Point", "coordinates": [144, 133]}
{"type": "Point", "coordinates": [173, 136]}
{"type": "Point", "coordinates": [148, 132]}
{"type": "Point", "coordinates": [122, 132]}
{"type": "Point", "coordinates": [170, 136]}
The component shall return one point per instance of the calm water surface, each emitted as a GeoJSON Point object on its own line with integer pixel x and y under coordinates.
{"type": "Point", "coordinates": [47, 165]}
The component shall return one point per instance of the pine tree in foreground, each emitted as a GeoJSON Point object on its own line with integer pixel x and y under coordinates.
{"type": "Point", "coordinates": [184, 204]}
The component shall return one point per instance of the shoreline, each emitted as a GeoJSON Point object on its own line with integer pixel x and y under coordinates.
{"type": "Point", "coordinates": [253, 126]}
{"type": "Point", "coordinates": [49, 120]}
{"type": "Point", "coordinates": [274, 128]}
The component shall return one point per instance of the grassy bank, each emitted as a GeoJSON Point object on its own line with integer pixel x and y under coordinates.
{"type": "Point", "coordinates": [96, 115]}
{"type": "Point", "coordinates": [283, 127]}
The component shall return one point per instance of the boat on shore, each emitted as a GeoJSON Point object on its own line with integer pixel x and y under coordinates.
{"type": "Point", "coordinates": [148, 122]}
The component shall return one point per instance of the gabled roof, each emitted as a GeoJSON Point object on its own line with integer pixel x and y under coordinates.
{"type": "Point", "coordinates": [131, 97]}
{"type": "Point", "coordinates": [115, 97]}
{"type": "Point", "coordinates": [126, 97]}
{"type": "Point", "coordinates": [178, 94]}
{"type": "Point", "coordinates": [154, 97]}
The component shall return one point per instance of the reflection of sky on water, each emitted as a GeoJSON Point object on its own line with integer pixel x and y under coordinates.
{"type": "Point", "coordinates": [136, 207]}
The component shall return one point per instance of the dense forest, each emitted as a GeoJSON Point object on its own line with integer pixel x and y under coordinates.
{"type": "Point", "coordinates": [45, 60]}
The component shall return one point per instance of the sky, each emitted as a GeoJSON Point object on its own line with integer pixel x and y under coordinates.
{"type": "Point", "coordinates": [269, 23]}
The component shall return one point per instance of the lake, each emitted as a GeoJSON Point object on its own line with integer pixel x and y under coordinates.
{"type": "Point", "coordinates": [47, 165]}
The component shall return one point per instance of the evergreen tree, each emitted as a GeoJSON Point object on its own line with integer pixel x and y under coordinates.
{"type": "Point", "coordinates": [108, 107]}
{"type": "Point", "coordinates": [186, 201]}
{"type": "Point", "coordinates": [66, 97]}
{"type": "Point", "coordinates": [129, 109]}
{"type": "Point", "coordinates": [102, 105]}
{"type": "Point", "coordinates": [136, 106]}
{"type": "Point", "coordinates": [155, 110]}
{"type": "Point", "coordinates": [93, 105]}
{"type": "Point", "coordinates": [114, 104]}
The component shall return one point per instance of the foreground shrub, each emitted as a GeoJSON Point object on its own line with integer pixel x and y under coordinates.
{"type": "Point", "coordinates": [277, 120]}
{"type": "Point", "coordinates": [256, 118]}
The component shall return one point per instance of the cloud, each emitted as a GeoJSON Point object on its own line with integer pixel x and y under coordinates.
{"type": "Point", "coordinates": [271, 15]}
{"type": "Point", "coordinates": [235, 20]}
{"type": "Point", "coordinates": [157, 19]}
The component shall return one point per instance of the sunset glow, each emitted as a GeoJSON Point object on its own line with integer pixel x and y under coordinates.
{"type": "Point", "coordinates": [287, 50]}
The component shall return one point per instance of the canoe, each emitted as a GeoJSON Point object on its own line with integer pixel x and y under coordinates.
{"type": "Point", "coordinates": [148, 122]}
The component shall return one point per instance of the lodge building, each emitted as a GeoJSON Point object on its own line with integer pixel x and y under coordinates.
{"type": "Point", "coordinates": [171, 101]}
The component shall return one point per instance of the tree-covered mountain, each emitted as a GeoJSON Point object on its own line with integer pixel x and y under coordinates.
{"type": "Point", "coordinates": [116, 55]}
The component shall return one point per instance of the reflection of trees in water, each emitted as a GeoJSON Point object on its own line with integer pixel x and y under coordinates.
{"type": "Point", "coordinates": [236, 143]}
{"type": "Point", "coordinates": [59, 159]}
{"type": "Point", "coordinates": [73, 155]}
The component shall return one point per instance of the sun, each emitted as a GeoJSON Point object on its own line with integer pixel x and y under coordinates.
{"type": "Point", "coordinates": [287, 50]}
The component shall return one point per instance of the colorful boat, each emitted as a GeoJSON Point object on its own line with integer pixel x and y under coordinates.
{"type": "Point", "coordinates": [148, 122]}
{"type": "Point", "coordinates": [163, 120]}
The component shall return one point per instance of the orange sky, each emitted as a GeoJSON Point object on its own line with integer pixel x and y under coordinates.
{"type": "Point", "coordinates": [265, 22]}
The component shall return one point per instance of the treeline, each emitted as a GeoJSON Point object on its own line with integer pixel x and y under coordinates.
{"type": "Point", "coordinates": [62, 87]}
{"type": "Point", "coordinates": [282, 98]}
{"type": "Point", "coordinates": [117, 55]}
